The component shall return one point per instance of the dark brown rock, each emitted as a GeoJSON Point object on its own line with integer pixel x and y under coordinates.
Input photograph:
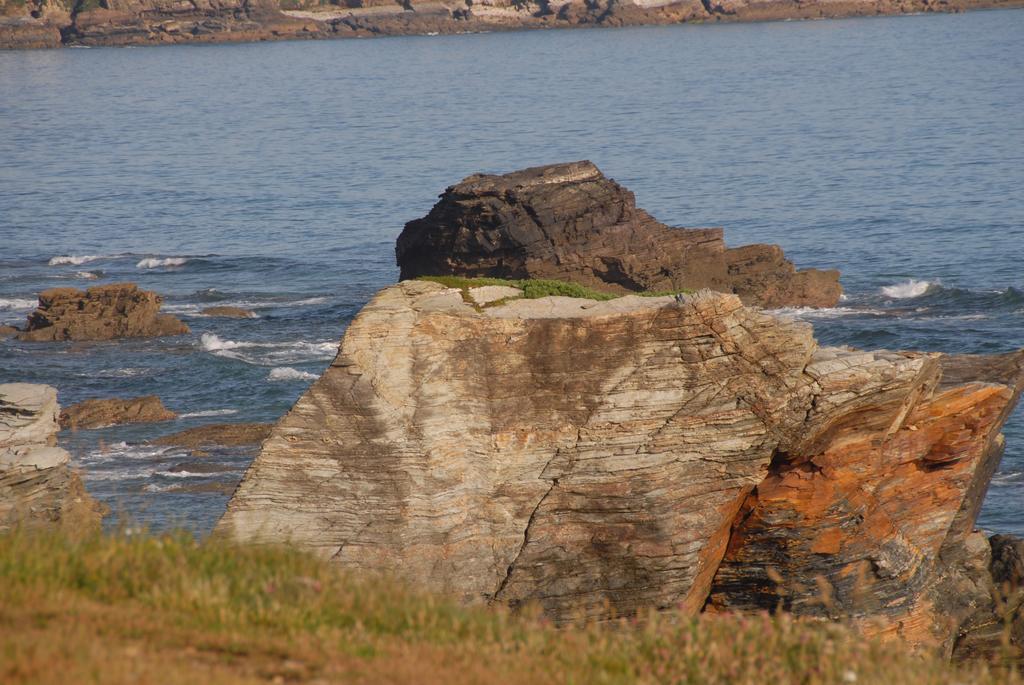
{"type": "Point", "coordinates": [111, 412]}
{"type": "Point", "coordinates": [218, 435]}
{"type": "Point", "coordinates": [1008, 561]}
{"type": "Point", "coordinates": [229, 312]}
{"type": "Point", "coordinates": [8, 332]}
{"type": "Point", "coordinates": [995, 628]}
{"type": "Point", "coordinates": [118, 310]}
{"type": "Point", "coordinates": [569, 222]}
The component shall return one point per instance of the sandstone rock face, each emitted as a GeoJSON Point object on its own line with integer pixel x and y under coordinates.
{"type": "Point", "coordinates": [603, 457]}
{"type": "Point", "coordinates": [111, 412]}
{"type": "Point", "coordinates": [568, 222]}
{"type": "Point", "coordinates": [119, 310]}
{"type": "Point", "coordinates": [36, 484]}
{"type": "Point", "coordinates": [54, 23]}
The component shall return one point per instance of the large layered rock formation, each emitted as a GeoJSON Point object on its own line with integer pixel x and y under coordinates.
{"type": "Point", "coordinates": [118, 310]}
{"type": "Point", "coordinates": [599, 458]}
{"type": "Point", "coordinates": [37, 485]}
{"type": "Point", "coordinates": [568, 222]}
{"type": "Point", "coordinates": [53, 23]}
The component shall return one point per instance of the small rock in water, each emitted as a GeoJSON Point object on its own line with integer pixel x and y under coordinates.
{"type": "Point", "coordinates": [98, 413]}
{"type": "Point", "coordinates": [218, 435]}
{"type": "Point", "coordinates": [229, 312]}
{"type": "Point", "coordinates": [105, 312]}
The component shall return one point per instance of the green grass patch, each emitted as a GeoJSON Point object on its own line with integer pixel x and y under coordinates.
{"type": "Point", "coordinates": [115, 608]}
{"type": "Point", "coordinates": [535, 288]}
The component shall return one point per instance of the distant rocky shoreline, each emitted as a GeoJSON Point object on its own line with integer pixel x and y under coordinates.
{"type": "Point", "coordinates": [59, 23]}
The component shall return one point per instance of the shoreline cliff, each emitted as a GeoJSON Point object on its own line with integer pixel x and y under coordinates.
{"type": "Point", "coordinates": [28, 24]}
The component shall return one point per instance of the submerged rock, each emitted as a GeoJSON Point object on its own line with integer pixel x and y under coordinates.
{"type": "Point", "coordinates": [569, 222]}
{"type": "Point", "coordinates": [37, 485]}
{"type": "Point", "coordinates": [218, 435]}
{"type": "Point", "coordinates": [229, 312]}
{"type": "Point", "coordinates": [601, 458]}
{"type": "Point", "coordinates": [111, 412]}
{"type": "Point", "coordinates": [104, 312]}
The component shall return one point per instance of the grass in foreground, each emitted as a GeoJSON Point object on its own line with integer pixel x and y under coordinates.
{"type": "Point", "coordinates": [166, 609]}
{"type": "Point", "coordinates": [535, 288]}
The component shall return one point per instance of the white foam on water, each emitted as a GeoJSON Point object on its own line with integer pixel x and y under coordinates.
{"type": "Point", "coordinates": [87, 275]}
{"type": "Point", "coordinates": [1014, 477]}
{"type": "Point", "coordinates": [192, 309]}
{"type": "Point", "coordinates": [127, 372]}
{"type": "Point", "coordinates": [287, 373]}
{"type": "Point", "coordinates": [14, 304]}
{"type": "Point", "coordinates": [908, 289]}
{"type": "Point", "coordinates": [823, 313]}
{"type": "Point", "coordinates": [75, 260]}
{"type": "Point", "coordinates": [213, 343]}
{"type": "Point", "coordinates": [157, 262]}
{"type": "Point", "coordinates": [185, 474]}
{"type": "Point", "coordinates": [268, 354]}
{"type": "Point", "coordinates": [208, 412]}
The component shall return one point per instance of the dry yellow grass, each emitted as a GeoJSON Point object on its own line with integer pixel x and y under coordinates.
{"type": "Point", "coordinates": [165, 609]}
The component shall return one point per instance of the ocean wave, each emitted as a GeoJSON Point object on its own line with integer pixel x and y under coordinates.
{"type": "Point", "coordinates": [823, 312]}
{"type": "Point", "coordinates": [88, 275]}
{"type": "Point", "coordinates": [75, 260]}
{"type": "Point", "coordinates": [14, 304]}
{"type": "Point", "coordinates": [908, 289]}
{"type": "Point", "coordinates": [268, 353]}
{"type": "Point", "coordinates": [195, 309]}
{"type": "Point", "coordinates": [208, 412]}
{"type": "Point", "coordinates": [287, 373]}
{"type": "Point", "coordinates": [1009, 477]}
{"type": "Point", "coordinates": [127, 372]}
{"type": "Point", "coordinates": [302, 303]}
{"type": "Point", "coordinates": [157, 262]}
{"type": "Point", "coordinates": [184, 474]}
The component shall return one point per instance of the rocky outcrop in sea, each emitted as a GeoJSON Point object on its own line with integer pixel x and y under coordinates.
{"type": "Point", "coordinates": [56, 23]}
{"type": "Point", "coordinates": [37, 485]}
{"type": "Point", "coordinates": [604, 458]}
{"type": "Point", "coordinates": [569, 222]}
{"type": "Point", "coordinates": [99, 413]}
{"type": "Point", "coordinates": [104, 312]}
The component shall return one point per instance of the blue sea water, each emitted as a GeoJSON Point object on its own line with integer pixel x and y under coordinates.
{"type": "Point", "coordinates": [277, 176]}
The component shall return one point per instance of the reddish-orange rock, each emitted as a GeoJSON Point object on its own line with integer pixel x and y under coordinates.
{"type": "Point", "coordinates": [854, 520]}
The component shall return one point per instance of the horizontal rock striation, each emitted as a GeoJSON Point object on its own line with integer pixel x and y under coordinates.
{"type": "Point", "coordinates": [569, 222]}
{"type": "Point", "coordinates": [55, 23]}
{"type": "Point", "coordinates": [37, 485]}
{"type": "Point", "coordinates": [600, 458]}
{"type": "Point", "coordinates": [104, 312]}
